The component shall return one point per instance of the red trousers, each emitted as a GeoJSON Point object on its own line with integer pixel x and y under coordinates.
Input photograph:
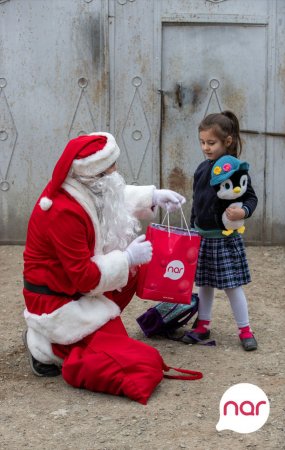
{"type": "Point", "coordinates": [95, 362]}
{"type": "Point", "coordinates": [109, 361]}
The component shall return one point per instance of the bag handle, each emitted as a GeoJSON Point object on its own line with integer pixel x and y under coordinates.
{"type": "Point", "coordinates": [191, 374]}
{"type": "Point", "coordinates": [182, 217]}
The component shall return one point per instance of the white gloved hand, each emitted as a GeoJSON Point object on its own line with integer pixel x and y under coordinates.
{"type": "Point", "coordinates": [139, 251]}
{"type": "Point", "coordinates": [167, 199]}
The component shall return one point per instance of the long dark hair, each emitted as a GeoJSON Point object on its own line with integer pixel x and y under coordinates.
{"type": "Point", "coordinates": [224, 124]}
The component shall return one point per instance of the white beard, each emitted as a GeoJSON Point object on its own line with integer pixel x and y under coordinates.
{"type": "Point", "coordinates": [117, 226]}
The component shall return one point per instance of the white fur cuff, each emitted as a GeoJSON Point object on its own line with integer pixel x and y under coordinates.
{"type": "Point", "coordinates": [139, 201]}
{"type": "Point", "coordinates": [114, 268]}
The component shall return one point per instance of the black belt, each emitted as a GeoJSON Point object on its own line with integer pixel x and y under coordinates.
{"type": "Point", "coordinates": [47, 291]}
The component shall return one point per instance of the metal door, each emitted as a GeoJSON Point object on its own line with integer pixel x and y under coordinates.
{"type": "Point", "coordinates": [216, 62]}
{"type": "Point", "coordinates": [53, 86]}
{"type": "Point", "coordinates": [155, 67]}
{"type": "Point", "coordinates": [173, 62]}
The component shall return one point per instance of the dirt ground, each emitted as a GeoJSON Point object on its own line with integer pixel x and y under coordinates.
{"type": "Point", "coordinates": [46, 414]}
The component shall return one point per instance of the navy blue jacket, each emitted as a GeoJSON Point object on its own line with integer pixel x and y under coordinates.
{"type": "Point", "coordinates": [206, 212]}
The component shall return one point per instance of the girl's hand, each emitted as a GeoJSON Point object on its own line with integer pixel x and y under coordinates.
{"type": "Point", "coordinates": [235, 213]}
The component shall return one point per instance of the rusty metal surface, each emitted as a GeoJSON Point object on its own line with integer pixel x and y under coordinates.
{"type": "Point", "coordinates": [208, 68]}
{"type": "Point", "coordinates": [53, 86]}
{"type": "Point", "coordinates": [147, 71]}
{"type": "Point", "coordinates": [132, 94]}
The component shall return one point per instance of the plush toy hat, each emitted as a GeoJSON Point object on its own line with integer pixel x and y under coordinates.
{"type": "Point", "coordinates": [224, 168]}
{"type": "Point", "coordinates": [87, 155]}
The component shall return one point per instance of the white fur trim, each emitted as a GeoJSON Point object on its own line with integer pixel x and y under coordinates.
{"type": "Point", "coordinates": [74, 320]}
{"type": "Point", "coordinates": [41, 348]}
{"type": "Point", "coordinates": [114, 270]}
{"type": "Point", "coordinates": [99, 161]}
{"type": "Point", "coordinates": [45, 203]}
{"type": "Point", "coordinates": [82, 195]}
{"type": "Point", "coordinates": [139, 201]}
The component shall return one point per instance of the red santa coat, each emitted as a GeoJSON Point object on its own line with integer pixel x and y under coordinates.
{"type": "Point", "coordinates": [64, 252]}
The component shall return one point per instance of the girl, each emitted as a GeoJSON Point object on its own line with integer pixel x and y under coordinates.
{"type": "Point", "coordinates": [222, 260]}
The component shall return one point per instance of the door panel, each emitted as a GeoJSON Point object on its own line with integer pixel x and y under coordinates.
{"type": "Point", "coordinates": [52, 88]}
{"type": "Point", "coordinates": [208, 68]}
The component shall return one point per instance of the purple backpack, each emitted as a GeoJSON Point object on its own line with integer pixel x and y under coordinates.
{"type": "Point", "coordinates": [165, 318]}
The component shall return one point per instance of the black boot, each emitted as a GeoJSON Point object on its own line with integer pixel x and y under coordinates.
{"type": "Point", "coordinates": [38, 368]}
{"type": "Point", "coordinates": [249, 344]}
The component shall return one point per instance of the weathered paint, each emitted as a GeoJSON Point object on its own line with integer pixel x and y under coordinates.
{"type": "Point", "coordinates": [141, 69]}
{"type": "Point", "coordinates": [53, 64]}
{"type": "Point", "coordinates": [205, 57]}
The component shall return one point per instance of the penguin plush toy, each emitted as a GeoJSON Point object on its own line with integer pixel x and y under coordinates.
{"type": "Point", "coordinates": [229, 177]}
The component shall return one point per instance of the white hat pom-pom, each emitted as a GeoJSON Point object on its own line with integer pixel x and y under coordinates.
{"type": "Point", "coordinates": [45, 203]}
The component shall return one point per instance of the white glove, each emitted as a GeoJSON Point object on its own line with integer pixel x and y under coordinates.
{"type": "Point", "coordinates": [167, 199]}
{"type": "Point", "coordinates": [139, 251]}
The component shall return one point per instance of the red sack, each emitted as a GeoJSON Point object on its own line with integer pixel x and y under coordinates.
{"type": "Point", "coordinates": [169, 276]}
{"type": "Point", "coordinates": [110, 361]}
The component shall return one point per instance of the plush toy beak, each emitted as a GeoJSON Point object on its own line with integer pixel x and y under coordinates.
{"type": "Point", "coordinates": [236, 190]}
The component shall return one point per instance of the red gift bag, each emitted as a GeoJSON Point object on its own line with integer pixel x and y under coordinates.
{"type": "Point", "coordinates": [169, 276]}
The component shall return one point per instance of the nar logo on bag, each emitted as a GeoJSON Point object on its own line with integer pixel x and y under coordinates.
{"type": "Point", "coordinates": [174, 270]}
{"type": "Point", "coordinates": [170, 274]}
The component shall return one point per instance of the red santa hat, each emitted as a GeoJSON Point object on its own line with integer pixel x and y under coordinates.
{"type": "Point", "coordinates": [87, 155]}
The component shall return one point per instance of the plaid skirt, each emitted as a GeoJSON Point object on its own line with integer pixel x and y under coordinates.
{"type": "Point", "coordinates": [222, 263]}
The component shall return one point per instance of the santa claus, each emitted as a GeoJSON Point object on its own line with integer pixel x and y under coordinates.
{"type": "Point", "coordinates": [81, 255]}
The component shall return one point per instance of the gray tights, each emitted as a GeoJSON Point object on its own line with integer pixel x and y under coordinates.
{"type": "Point", "coordinates": [237, 300]}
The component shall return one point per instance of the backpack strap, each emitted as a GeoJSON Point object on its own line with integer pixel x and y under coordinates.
{"type": "Point", "coordinates": [185, 320]}
{"type": "Point", "coordinates": [190, 374]}
{"type": "Point", "coordinates": [173, 308]}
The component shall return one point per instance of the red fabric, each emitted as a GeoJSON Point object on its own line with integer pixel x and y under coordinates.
{"type": "Point", "coordinates": [202, 326]}
{"type": "Point", "coordinates": [115, 326]}
{"type": "Point", "coordinates": [110, 361]}
{"type": "Point", "coordinates": [60, 244]}
{"type": "Point", "coordinates": [188, 374]}
{"type": "Point", "coordinates": [124, 296]}
{"type": "Point", "coordinates": [245, 332]}
{"type": "Point", "coordinates": [77, 148]}
{"type": "Point", "coordinates": [59, 256]}
{"type": "Point", "coordinates": [169, 276]}
{"type": "Point", "coordinates": [94, 144]}
{"type": "Point", "coordinates": [40, 304]}
{"type": "Point", "coordinates": [43, 304]}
